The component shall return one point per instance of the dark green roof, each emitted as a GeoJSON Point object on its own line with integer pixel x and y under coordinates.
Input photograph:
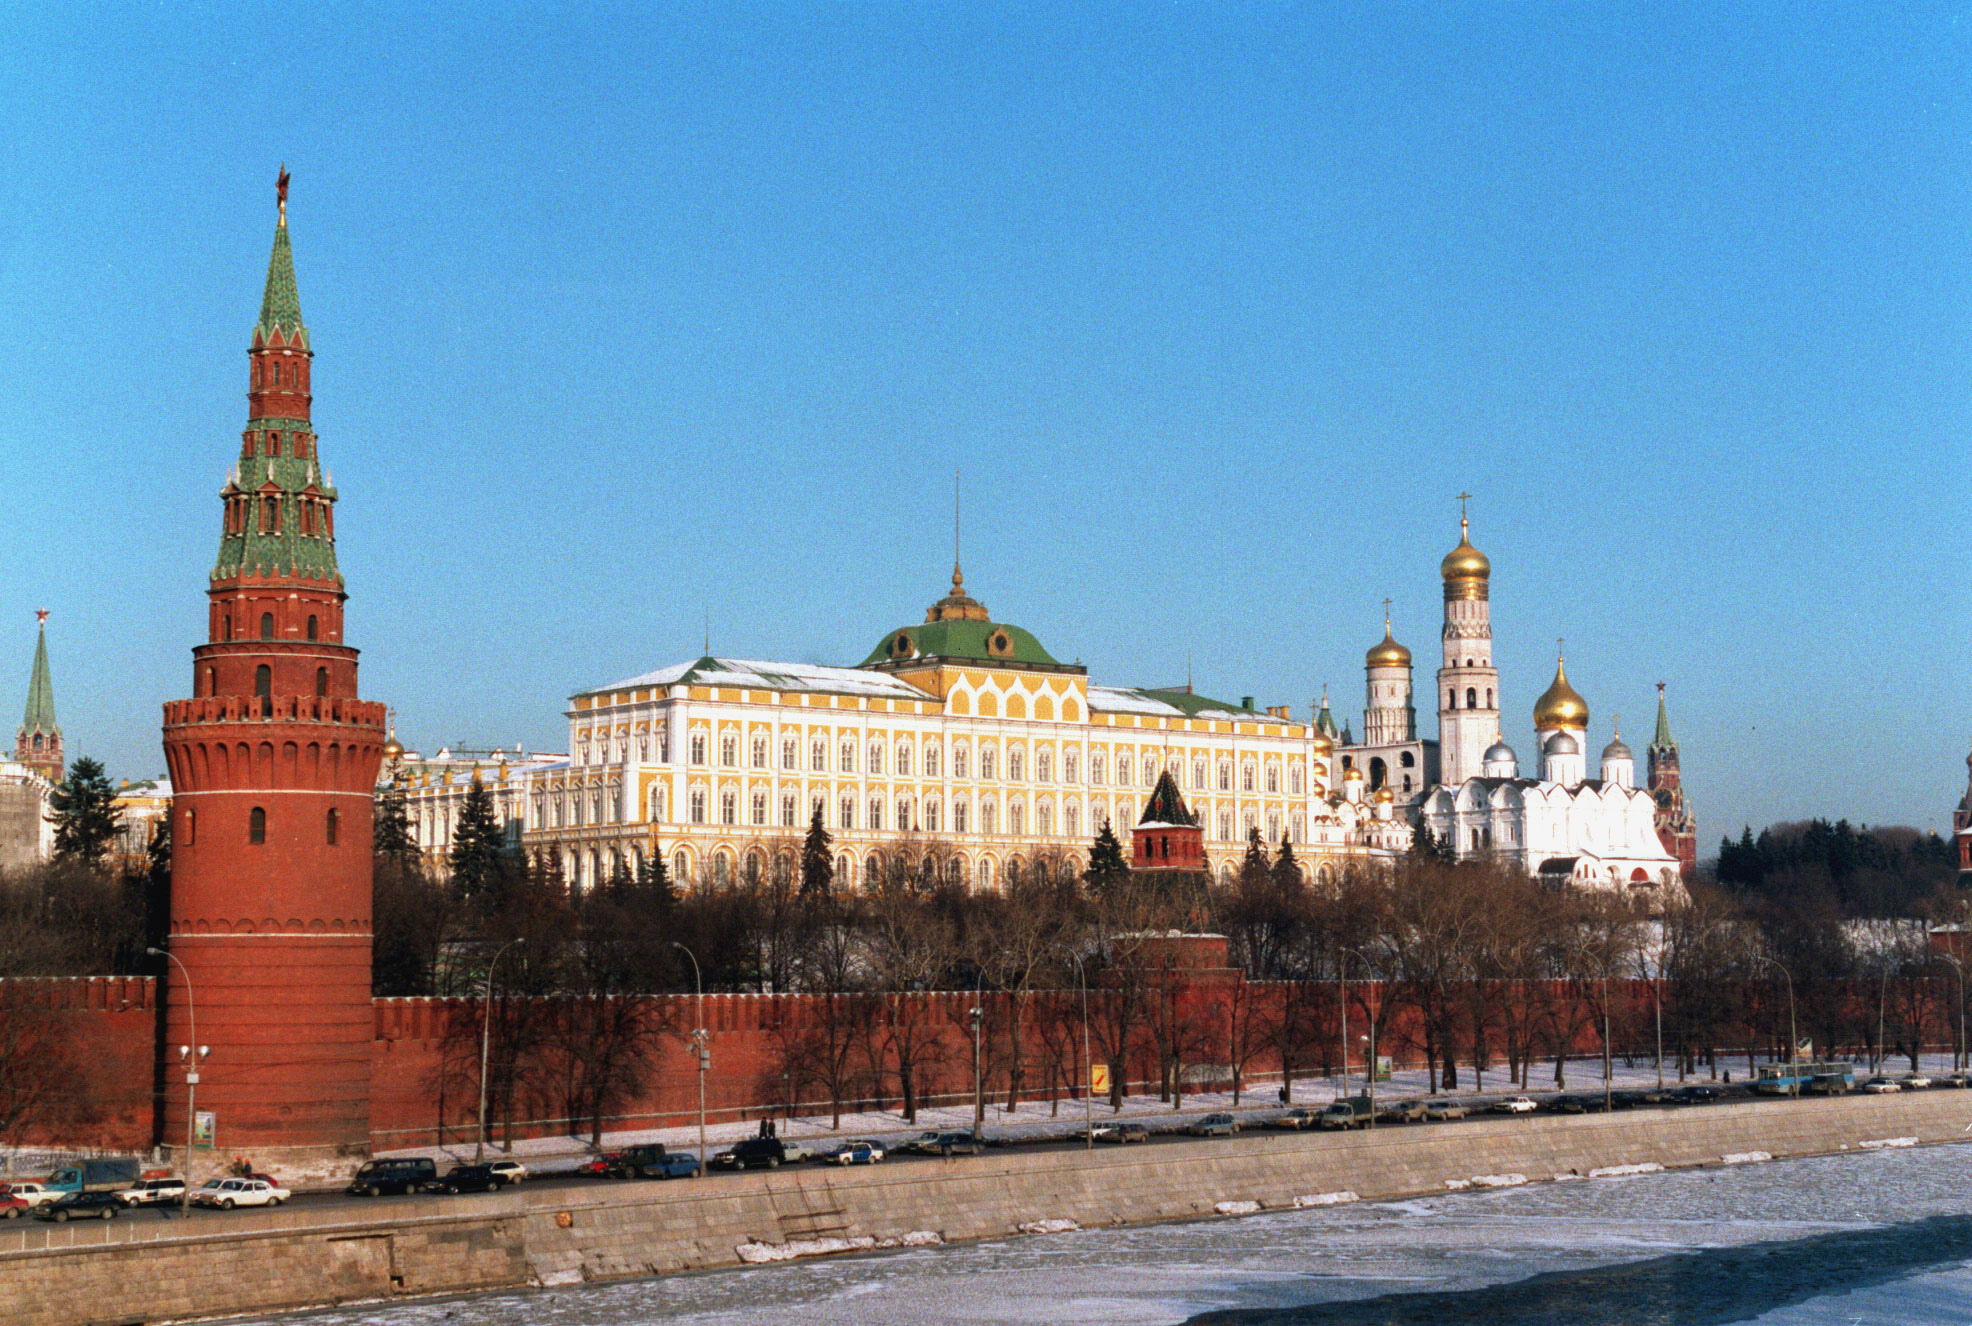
{"type": "Point", "coordinates": [963, 640]}
{"type": "Point", "coordinates": [1166, 804]}
{"type": "Point", "coordinates": [40, 693]}
{"type": "Point", "coordinates": [1663, 739]}
{"type": "Point", "coordinates": [280, 306]}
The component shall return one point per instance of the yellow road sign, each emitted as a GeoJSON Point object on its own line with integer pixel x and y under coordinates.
{"type": "Point", "coordinates": [1099, 1079]}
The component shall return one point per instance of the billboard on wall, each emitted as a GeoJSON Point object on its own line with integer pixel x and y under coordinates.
{"type": "Point", "coordinates": [205, 1124]}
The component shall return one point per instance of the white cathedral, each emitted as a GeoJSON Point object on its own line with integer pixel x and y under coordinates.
{"type": "Point", "coordinates": [1466, 787]}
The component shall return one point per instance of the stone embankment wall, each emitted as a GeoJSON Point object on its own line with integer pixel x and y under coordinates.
{"type": "Point", "coordinates": [138, 1271]}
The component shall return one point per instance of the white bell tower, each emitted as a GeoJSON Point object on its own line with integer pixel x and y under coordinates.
{"type": "Point", "coordinates": [1468, 683]}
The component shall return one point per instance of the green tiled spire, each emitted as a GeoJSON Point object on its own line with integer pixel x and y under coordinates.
{"type": "Point", "coordinates": [280, 306]}
{"type": "Point", "coordinates": [1663, 737]}
{"type": "Point", "coordinates": [40, 691]}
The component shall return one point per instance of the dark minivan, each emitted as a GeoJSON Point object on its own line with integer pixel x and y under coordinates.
{"type": "Point", "coordinates": [393, 1176]}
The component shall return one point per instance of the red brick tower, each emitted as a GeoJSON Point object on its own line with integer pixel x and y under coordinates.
{"type": "Point", "coordinates": [273, 764]}
{"type": "Point", "coordinates": [1168, 836]}
{"type": "Point", "coordinates": [1677, 827]}
{"type": "Point", "coordinates": [38, 745]}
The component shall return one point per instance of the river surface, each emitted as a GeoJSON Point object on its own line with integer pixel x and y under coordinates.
{"type": "Point", "coordinates": [1852, 1240]}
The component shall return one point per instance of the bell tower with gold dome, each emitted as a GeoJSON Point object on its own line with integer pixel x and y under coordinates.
{"type": "Point", "coordinates": [1468, 683]}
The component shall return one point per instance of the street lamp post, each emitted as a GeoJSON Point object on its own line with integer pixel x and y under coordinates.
{"type": "Point", "coordinates": [978, 1078]}
{"type": "Point", "coordinates": [1369, 1068]}
{"type": "Point", "coordinates": [1958, 1050]}
{"type": "Point", "coordinates": [1793, 1029]}
{"type": "Point", "coordinates": [701, 1040]}
{"type": "Point", "coordinates": [1088, 1062]}
{"type": "Point", "coordinates": [191, 1056]}
{"type": "Point", "coordinates": [486, 1044]}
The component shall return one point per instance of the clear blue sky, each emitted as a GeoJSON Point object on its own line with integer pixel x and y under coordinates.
{"type": "Point", "coordinates": [627, 316]}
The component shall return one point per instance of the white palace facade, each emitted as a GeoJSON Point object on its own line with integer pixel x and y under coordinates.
{"type": "Point", "coordinates": [960, 734]}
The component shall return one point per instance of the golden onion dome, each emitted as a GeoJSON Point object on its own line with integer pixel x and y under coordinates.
{"type": "Point", "coordinates": [1319, 740]}
{"type": "Point", "coordinates": [1561, 705]}
{"type": "Point", "coordinates": [1465, 569]}
{"type": "Point", "coordinates": [1384, 794]}
{"type": "Point", "coordinates": [1387, 653]}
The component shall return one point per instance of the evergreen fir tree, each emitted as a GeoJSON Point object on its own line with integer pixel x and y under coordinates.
{"type": "Point", "coordinates": [1425, 845]}
{"type": "Point", "coordinates": [481, 860]}
{"type": "Point", "coordinates": [1286, 870]}
{"type": "Point", "coordinates": [817, 862]}
{"type": "Point", "coordinates": [1253, 867]}
{"type": "Point", "coordinates": [85, 815]}
{"type": "Point", "coordinates": [1107, 866]}
{"type": "Point", "coordinates": [654, 885]}
{"type": "Point", "coordinates": [392, 839]}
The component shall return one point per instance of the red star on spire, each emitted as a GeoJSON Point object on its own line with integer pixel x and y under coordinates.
{"type": "Point", "coordinates": [40, 614]}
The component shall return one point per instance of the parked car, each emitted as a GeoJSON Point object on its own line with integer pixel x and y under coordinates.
{"type": "Point", "coordinates": [925, 1143]}
{"type": "Point", "coordinates": [510, 1171]}
{"type": "Point", "coordinates": [1348, 1112]}
{"type": "Point", "coordinates": [1102, 1132]}
{"type": "Point", "coordinates": [1880, 1086]}
{"type": "Point", "coordinates": [13, 1208]}
{"type": "Point", "coordinates": [152, 1192]}
{"type": "Point", "coordinates": [1700, 1094]}
{"type": "Point", "coordinates": [1439, 1111]}
{"type": "Point", "coordinates": [752, 1153]}
{"type": "Point", "coordinates": [1403, 1111]}
{"type": "Point", "coordinates": [857, 1153]}
{"type": "Point", "coordinates": [1516, 1105]}
{"type": "Point", "coordinates": [1958, 1080]}
{"type": "Point", "coordinates": [1915, 1082]}
{"type": "Point", "coordinates": [229, 1193]}
{"type": "Point", "coordinates": [961, 1144]}
{"type": "Point", "coordinates": [1572, 1104]}
{"type": "Point", "coordinates": [1659, 1096]}
{"type": "Point", "coordinates": [1213, 1125]}
{"type": "Point", "coordinates": [1129, 1132]}
{"type": "Point", "coordinates": [465, 1178]}
{"type": "Point", "coordinates": [377, 1177]}
{"type": "Point", "coordinates": [1299, 1118]}
{"type": "Point", "coordinates": [34, 1194]}
{"type": "Point", "coordinates": [83, 1205]}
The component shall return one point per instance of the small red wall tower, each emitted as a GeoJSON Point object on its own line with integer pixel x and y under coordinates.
{"type": "Point", "coordinates": [273, 765]}
{"type": "Point", "coordinates": [1167, 837]}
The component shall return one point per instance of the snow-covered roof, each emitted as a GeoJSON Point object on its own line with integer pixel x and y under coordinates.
{"type": "Point", "coordinates": [758, 674]}
{"type": "Point", "coordinates": [1170, 704]}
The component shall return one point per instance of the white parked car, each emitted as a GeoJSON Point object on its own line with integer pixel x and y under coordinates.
{"type": "Point", "coordinates": [508, 1172]}
{"type": "Point", "coordinates": [1916, 1082]}
{"type": "Point", "coordinates": [1880, 1086]}
{"type": "Point", "coordinates": [229, 1193]}
{"type": "Point", "coordinates": [34, 1194]}
{"type": "Point", "coordinates": [152, 1192]}
{"type": "Point", "coordinates": [1516, 1105]}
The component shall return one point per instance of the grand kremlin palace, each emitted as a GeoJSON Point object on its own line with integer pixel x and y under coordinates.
{"type": "Point", "coordinates": [962, 733]}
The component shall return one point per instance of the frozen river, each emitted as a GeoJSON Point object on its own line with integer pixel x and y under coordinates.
{"type": "Point", "coordinates": [1881, 1237]}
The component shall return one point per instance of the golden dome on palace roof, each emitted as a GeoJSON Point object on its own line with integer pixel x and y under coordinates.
{"type": "Point", "coordinates": [1561, 705]}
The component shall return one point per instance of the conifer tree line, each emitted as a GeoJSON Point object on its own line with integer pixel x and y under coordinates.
{"type": "Point", "coordinates": [1474, 970]}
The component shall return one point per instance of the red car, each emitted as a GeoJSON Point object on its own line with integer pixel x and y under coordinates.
{"type": "Point", "coordinates": [12, 1207]}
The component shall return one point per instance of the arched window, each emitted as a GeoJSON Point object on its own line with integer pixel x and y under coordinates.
{"type": "Point", "coordinates": [930, 759]}
{"type": "Point", "coordinates": [1471, 698]}
{"type": "Point", "coordinates": [269, 515]}
{"type": "Point", "coordinates": [903, 759]}
{"type": "Point", "coordinates": [988, 762]}
{"type": "Point", "coordinates": [191, 827]}
{"type": "Point", "coordinates": [257, 825]}
{"type": "Point", "coordinates": [876, 757]}
{"type": "Point", "coordinates": [226, 627]}
{"type": "Point", "coordinates": [1489, 697]}
{"type": "Point", "coordinates": [263, 689]}
{"type": "Point", "coordinates": [848, 757]}
{"type": "Point", "coordinates": [212, 681]}
{"type": "Point", "coordinates": [818, 757]}
{"type": "Point", "coordinates": [848, 809]}
{"type": "Point", "coordinates": [698, 748]}
{"type": "Point", "coordinates": [1408, 759]}
{"type": "Point", "coordinates": [681, 866]}
{"type": "Point", "coordinates": [313, 626]}
{"type": "Point", "coordinates": [1225, 775]}
{"type": "Point", "coordinates": [729, 751]}
{"type": "Point", "coordinates": [1016, 764]}
{"type": "Point", "coordinates": [266, 626]}
{"type": "Point", "coordinates": [698, 805]}
{"type": "Point", "coordinates": [760, 752]}
{"type": "Point", "coordinates": [1273, 778]}
{"type": "Point", "coordinates": [321, 682]}
{"type": "Point", "coordinates": [334, 822]}
{"type": "Point", "coordinates": [958, 762]}
{"type": "Point", "coordinates": [930, 815]}
{"type": "Point", "coordinates": [876, 815]}
{"type": "Point", "coordinates": [1451, 699]}
{"type": "Point", "coordinates": [787, 810]}
{"type": "Point", "coordinates": [1246, 777]}
{"type": "Point", "coordinates": [728, 808]}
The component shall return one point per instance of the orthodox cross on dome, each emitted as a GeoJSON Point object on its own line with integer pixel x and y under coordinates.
{"type": "Point", "coordinates": [1386, 616]}
{"type": "Point", "coordinates": [281, 192]}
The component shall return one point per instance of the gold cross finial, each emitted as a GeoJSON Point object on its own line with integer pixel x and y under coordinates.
{"type": "Point", "coordinates": [1463, 498]}
{"type": "Point", "coordinates": [1386, 616]}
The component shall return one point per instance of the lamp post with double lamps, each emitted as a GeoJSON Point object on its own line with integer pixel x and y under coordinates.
{"type": "Point", "coordinates": [191, 1056]}
{"type": "Point", "coordinates": [1958, 1050]}
{"type": "Point", "coordinates": [1793, 1031]}
{"type": "Point", "coordinates": [486, 1044]}
{"type": "Point", "coordinates": [1369, 1068]}
{"type": "Point", "coordinates": [1088, 1063]}
{"type": "Point", "coordinates": [701, 1042]}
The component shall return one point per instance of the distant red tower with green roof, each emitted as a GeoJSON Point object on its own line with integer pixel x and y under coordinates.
{"type": "Point", "coordinates": [38, 744]}
{"type": "Point", "coordinates": [273, 764]}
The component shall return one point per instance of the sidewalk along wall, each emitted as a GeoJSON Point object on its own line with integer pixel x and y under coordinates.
{"type": "Point", "coordinates": [77, 1058]}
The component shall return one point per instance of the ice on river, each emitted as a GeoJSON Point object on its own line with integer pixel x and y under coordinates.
{"type": "Point", "coordinates": [1884, 1236]}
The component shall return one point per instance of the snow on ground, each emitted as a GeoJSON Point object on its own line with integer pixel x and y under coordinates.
{"type": "Point", "coordinates": [1038, 1119]}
